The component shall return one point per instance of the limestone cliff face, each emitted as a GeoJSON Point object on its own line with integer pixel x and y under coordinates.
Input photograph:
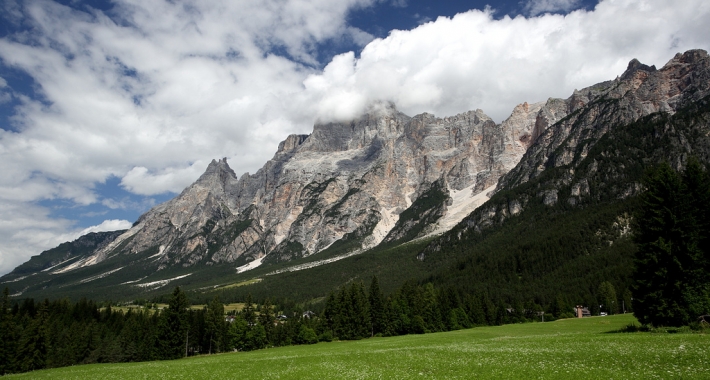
{"type": "Point", "coordinates": [562, 166]}
{"type": "Point", "coordinates": [345, 181]}
{"type": "Point", "coordinates": [640, 91]}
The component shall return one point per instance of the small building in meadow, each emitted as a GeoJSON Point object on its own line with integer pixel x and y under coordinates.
{"type": "Point", "coordinates": [581, 311]}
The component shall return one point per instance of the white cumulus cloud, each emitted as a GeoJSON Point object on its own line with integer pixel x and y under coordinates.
{"type": "Point", "coordinates": [474, 61]}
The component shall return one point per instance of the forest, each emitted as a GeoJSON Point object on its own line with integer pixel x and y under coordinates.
{"type": "Point", "coordinates": [48, 334]}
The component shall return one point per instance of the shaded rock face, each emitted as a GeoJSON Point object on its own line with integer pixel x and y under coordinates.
{"type": "Point", "coordinates": [640, 91]}
{"type": "Point", "coordinates": [352, 180]}
{"type": "Point", "coordinates": [564, 165]}
{"type": "Point", "coordinates": [347, 180]}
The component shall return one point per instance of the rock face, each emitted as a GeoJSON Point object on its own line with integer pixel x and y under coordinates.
{"type": "Point", "coordinates": [343, 182]}
{"type": "Point", "coordinates": [641, 90]}
{"type": "Point", "coordinates": [389, 177]}
{"type": "Point", "coordinates": [567, 166]}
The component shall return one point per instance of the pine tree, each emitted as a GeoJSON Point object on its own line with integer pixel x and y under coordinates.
{"type": "Point", "coordinates": [248, 312]}
{"type": "Point", "coordinates": [671, 283]}
{"type": "Point", "coordinates": [377, 308]}
{"type": "Point", "coordinates": [267, 319]}
{"type": "Point", "coordinates": [214, 324]}
{"type": "Point", "coordinates": [341, 325]}
{"type": "Point", "coordinates": [330, 313]}
{"type": "Point", "coordinates": [7, 335]}
{"type": "Point", "coordinates": [696, 262]}
{"type": "Point", "coordinates": [173, 327]}
{"type": "Point", "coordinates": [32, 351]}
{"type": "Point", "coordinates": [360, 317]}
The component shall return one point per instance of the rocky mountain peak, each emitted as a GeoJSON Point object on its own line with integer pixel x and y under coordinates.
{"type": "Point", "coordinates": [381, 121]}
{"type": "Point", "coordinates": [217, 170]}
{"type": "Point", "coordinates": [634, 66]}
{"type": "Point", "coordinates": [291, 143]}
{"type": "Point", "coordinates": [691, 56]}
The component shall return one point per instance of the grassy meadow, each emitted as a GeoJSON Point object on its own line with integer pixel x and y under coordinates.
{"type": "Point", "coordinates": [586, 348]}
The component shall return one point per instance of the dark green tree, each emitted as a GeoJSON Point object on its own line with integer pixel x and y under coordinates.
{"type": "Point", "coordinates": [360, 315]}
{"type": "Point", "coordinates": [248, 312]}
{"type": "Point", "coordinates": [267, 319]}
{"type": "Point", "coordinates": [237, 333]}
{"type": "Point", "coordinates": [377, 308]}
{"type": "Point", "coordinates": [607, 297]}
{"type": "Point", "coordinates": [696, 262]}
{"type": "Point", "coordinates": [173, 327]}
{"type": "Point", "coordinates": [306, 335]}
{"type": "Point", "coordinates": [214, 324]}
{"type": "Point", "coordinates": [626, 301]}
{"type": "Point", "coordinates": [32, 350]}
{"type": "Point", "coordinates": [255, 338]}
{"type": "Point", "coordinates": [8, 339]}
{"type": "Point", "coordinates": [330, 313]}
{"type": "Point", "coordinates": [671, 284]}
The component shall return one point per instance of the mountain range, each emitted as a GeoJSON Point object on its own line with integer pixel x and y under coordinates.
{"type": "Point", "coordinates": [404, 197]}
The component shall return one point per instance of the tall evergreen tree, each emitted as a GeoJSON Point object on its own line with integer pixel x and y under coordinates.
{"type": "Point", "coordinates": [32, 350]}
{"type": "Point", "coordinates": [267, 319]}
{"type": "Point", "coordinates": [214, 324]}
{"type": "Point", "coordinates": [696, 263]}
{"type": "Point", "coordinates": [671, 284]}
{"type": "Point", "coordinates": [7, 335]}
{"type": "Point", "coordinates": [330, 313]}
{"type": "Point", "coordinates": [248, 312]}
{"type": "Point", "coordinates": [360, 317]}
{"type": "Point", "coordinates": [377, 308]}
{"type": "Point", "coordinates": [173, 327]}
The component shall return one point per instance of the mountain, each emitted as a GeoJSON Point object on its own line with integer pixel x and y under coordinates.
{"type": "Point", "coordinates": [386, 179]}
{"type": "Point", "coordinates": [561, 222]}
{"type": "Point", "coordinates": [564, 165]}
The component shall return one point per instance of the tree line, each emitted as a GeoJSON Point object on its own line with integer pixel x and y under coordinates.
{"type": "Point", "coordinates": [48, 334]}
{"type": "Point", "coordinates": [37, 335]}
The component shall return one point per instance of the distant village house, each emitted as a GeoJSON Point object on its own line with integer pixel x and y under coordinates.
{"type": "Point", "coordinates": [581, 311]}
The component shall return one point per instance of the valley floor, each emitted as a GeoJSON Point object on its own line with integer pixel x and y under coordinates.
{"type": "Point", "coordinates": [573, 348]}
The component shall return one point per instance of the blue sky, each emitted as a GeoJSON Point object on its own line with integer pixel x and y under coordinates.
{"type": "Point", "coordinates": [108, 108]}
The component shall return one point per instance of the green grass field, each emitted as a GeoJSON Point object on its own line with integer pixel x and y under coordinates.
{"type": "Point", "coordinates": [583, 349]}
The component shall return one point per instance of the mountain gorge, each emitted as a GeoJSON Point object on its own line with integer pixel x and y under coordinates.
{"type": "Point", "coordinates": [446, 192]}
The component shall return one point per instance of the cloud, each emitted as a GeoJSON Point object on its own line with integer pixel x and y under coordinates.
{"type": "Point", "coordinates": [150, 92]}
{"type": "Point", "coordinates": [124, 203]}
{"type": "Point", "coordinates": [536, 7]}
{"type": "Point", "coordinates": [158, 88]}
{"type": "Point", "coordinates": [474, 61]}
{"type": "Point", "coordinates": [139, 181]}
{"type": "Point", "coordinates": [107, 225]}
